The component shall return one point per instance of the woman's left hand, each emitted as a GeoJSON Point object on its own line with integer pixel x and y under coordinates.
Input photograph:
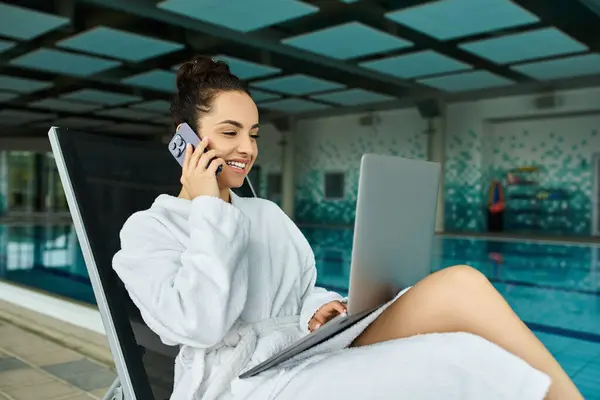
{"type": "Point", "coordinates": [325, 313]}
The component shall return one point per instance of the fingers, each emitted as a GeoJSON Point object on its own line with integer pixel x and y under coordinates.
{"type": "Point", "coordinates": [339, 307]}
{"type": "Point", "coordinates": [207, 158]}
{"type": "Point", "coordinates": [198, 153]}
{"type": "Point", "coordinates": [186, 158]}
{"type": "Point", "coordinates": [325, 313]}
{"type": "Point", "coordinates": [214, 165]}
{"type": "Point", "coordinates": [316, 322]}
{"type": "Point", "coordinates": [332, 309]}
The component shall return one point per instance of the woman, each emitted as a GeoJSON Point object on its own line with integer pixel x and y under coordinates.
{"type": "Point", "coordinates": [232, 281]}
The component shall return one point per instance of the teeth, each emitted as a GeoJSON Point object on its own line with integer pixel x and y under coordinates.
{"type": "Point", "coordinates": [236, 164]}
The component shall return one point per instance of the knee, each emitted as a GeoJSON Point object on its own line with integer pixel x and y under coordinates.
{"type": "Point", "coordinates": [443, 298]}
{"type": "Point", "coordinates": [453, 290]}
{"type": "Point", "coordinates": [462, 278]}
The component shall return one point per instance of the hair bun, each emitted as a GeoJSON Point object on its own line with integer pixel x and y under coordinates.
{"type": "Point", "coordinates": [200, 71]}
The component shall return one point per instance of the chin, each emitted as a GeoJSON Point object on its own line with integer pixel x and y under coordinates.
{"type": "Point", "coordinates": [231, 182]}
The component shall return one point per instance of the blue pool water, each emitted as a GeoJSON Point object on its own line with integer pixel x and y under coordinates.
{"type": "Point", "coordinates": [554, 288]}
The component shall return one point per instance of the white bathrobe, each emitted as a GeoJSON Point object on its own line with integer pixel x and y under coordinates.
{"type": "Point", "coordinates": [232, 284]}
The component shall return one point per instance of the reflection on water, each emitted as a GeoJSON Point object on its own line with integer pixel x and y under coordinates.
{"type": "Point", "coordinates": [547, 284]}
{"type": "Point", "coordinates": [46, 257]}
{"type": "Point", "coordinates": [553, 285]}
{"type": "Point", "coordinates": [554, 288]}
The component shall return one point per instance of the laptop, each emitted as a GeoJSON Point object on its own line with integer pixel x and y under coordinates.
{"type": "Point", "coordinates": [393, 238]}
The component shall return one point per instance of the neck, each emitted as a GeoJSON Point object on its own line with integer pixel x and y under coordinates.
{"type": "Point", "coordinates": [223, 194]}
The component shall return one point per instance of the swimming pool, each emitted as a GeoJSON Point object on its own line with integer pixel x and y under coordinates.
{"type": "Point", "coordinates": [555, 288]}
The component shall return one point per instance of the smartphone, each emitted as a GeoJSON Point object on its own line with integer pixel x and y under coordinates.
{"type": "Point", "coordinates": [183, 136]}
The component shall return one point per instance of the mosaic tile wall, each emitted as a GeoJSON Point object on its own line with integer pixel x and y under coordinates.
{"type": "Point", "coordinates": [338, 147]}
{"type": "Point", "coordinates": [563, 149]}
{"type": "Point", "coordinates": [476, 152]}
{"type": "Point", "coordinates": [269, 156]}
{"type": "Point", "coordinates": [3, 182]}
{"type": "Point", "coordinates": [463, 201]}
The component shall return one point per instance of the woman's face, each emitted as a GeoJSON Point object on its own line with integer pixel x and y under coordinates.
{"type": "Point", "coordinates": [232, 129]}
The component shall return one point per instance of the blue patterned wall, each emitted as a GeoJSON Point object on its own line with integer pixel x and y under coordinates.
{"type": "Point", "coordinates": [463, 201]}
{"type": "Point", "coordinates": [337, 145]}
{"type": "Point", "coordinates": [477, 150]}
{"type": "Point", "coordinates": [269, 157]}
{"type": "Point", "coordinates": [3, 182]}
{"type": "Point", "coordinates": [563, 149]}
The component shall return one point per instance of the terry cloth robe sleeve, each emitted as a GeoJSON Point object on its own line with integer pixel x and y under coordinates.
{"type": "Point", "coordinates": [314, 297]}
{"type": "Point", "coordinates": [188, 296]}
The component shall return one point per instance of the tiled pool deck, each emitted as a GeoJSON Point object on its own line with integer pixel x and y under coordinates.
{"type": "Point", "coordinates": [45, 359]}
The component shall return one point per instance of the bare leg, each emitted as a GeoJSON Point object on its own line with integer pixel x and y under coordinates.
{"type": "Point", "coordinates": [461, 299]}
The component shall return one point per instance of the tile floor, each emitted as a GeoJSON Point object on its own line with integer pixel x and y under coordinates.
{"type": "Point", "coordinates": [580, 359]}
{"type": "Point", "coordinates": [45, 359]}
{"type": "Point", "coordinates": [33, 367]}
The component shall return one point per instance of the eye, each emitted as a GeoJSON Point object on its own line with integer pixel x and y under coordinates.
{"type": "Point", "coordinates": [255, 136]}
{"type": "Point", "coordinates": [232, 133]}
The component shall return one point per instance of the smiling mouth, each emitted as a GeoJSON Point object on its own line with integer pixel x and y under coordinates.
{"type": "Point", "coordinates": [236, 165]}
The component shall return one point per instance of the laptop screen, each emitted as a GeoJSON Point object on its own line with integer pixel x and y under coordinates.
{"type": "Point", "coordinates": [108, 180]}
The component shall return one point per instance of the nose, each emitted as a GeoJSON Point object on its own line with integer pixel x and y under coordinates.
{"type": "Point", "coordinates": [246, 145]}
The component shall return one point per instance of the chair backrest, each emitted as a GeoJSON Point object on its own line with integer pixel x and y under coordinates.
{"type": "Point", "coordinates": [105, 181]}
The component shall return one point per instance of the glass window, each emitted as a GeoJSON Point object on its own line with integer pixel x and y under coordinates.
{"type": "Point", "coordinates": [334, 185]}
{"type": "Point", "coordinates": [55, 199]}
{"type": "Point", "coordinates": [274, 186]}
{"type": "Point", "coordinates": [20, 165]}
{"type": "Point", "coordinates": [3, 182]}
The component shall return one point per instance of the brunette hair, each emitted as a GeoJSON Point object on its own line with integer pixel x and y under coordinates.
{"type": "Point", "coordinates": [198, 82]}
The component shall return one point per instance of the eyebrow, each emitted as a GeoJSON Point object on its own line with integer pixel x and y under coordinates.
{"type": "Point", "coordinates": [237, 124]}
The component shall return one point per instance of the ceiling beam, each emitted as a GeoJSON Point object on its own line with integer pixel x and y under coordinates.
{"type": "Point", "coordinates": [570, 16]}
{"type": "Point", "coordinates": [13, 136]}
{"type": "Point", "coordinates": [495, 34]}
{"type": "Point", "coordinates": [63, 84]}
{"type": "Point", "coordinates": [264, 47]}
{"type": "Point", "coordinates": [372, 13]}
{"type": "Point", "coordinates": [331, 13]}
{"type": "Point", "coordinates": [336, 12]}
{"type": "Point", "coordinates": [532, 89]}
{"type": "Point", "coordinates": [290, 66]}
{"type": "Point", "coordinates": [82, 20]}
{"type": "Point", "coordinates": [375, 17]}
{"type": "Point", "coordinates": [528, 89]}
{"type": "Point", "coordinates": [110, 80]}
{"type": "Point", "coordinates": [66, 114]}
{"type": "Point", "coordinates": [45, 40]}
{"type": "Point", "coordinates": [295, 60]}
{"type": "Point", "coordinates": [199, 41]}
{"type": "Point", "coordinates": [455, 42]}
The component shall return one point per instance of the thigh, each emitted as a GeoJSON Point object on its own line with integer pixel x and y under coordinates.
{"type": "Point", "coordinates": [449, 366]}
{"type": "Point", "coordinates": [434, 305]}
